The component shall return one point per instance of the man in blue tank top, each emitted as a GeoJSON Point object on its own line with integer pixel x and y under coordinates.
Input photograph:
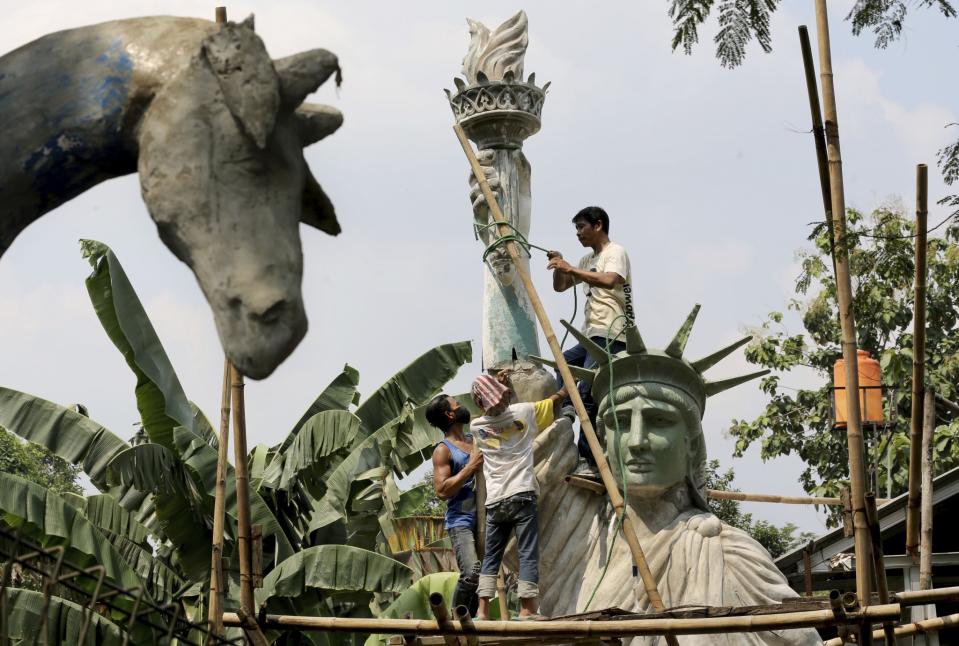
{"type": "Point", "coordinates": [455, 463]}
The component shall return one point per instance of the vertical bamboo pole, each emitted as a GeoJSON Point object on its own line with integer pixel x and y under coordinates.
{"type": "Point", "coordinates": [640, 565]}
{"type": "Point", "coordinates": [819, 135]}
{"type": "Point", "coordinates": [918, 363]}
{"type": "Point", "coordinates": [217, 582]}
{"type": "Point", "coordinates": [243, 529]}
{"type": "Point", "coordinates": [925, 545]}
{"type": "Point", "coordinates": [847, 319]}
{"type": "Point", "coordinates": [501, 595]}
{"type": "Point", "coordinates": [882, 588]}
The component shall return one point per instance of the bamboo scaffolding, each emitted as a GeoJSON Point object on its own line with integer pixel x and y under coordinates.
{"type": "Point", "coordinates": [936, 624]}
{"type": "Point", "coordinates": [926, 517]}
{"type": "Point", "coordinates": [217, 582]}
{"type": "Point", "coordinates": [243, 530]}
{"type": "Point", "coordinates": [577, 629]}
{"type": "Point", "coordinates": [616, 499]}
{"type": "Point", "coordinates": [501, 594]}
{"type": "Point", "coordinates": [918, 363]}
{"type": "Point", "coordinates": [847, 318]}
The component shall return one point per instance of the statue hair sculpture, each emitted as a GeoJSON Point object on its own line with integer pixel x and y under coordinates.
{"type": "Point", "coordinates": [651, 405]}
{"type": "Point", "coordinates": [214, 127]}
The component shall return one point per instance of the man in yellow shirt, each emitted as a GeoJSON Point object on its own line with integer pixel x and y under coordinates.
{"type": "Point", "coordinates": [505, 437]}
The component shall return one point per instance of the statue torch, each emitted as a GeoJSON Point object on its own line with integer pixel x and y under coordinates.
{"type": "Point", "coordinates": [498, 110]}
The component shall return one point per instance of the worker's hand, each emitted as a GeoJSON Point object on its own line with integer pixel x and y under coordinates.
{"type": "Point", "coordinates": [503, 377]}
{"type": "Point", "coordinates": [560, 265]}
{"type": "Point", "coordinates": [476, 459]}
{"type": "Point", "coordinates": [562, 393]}
{"type": "Point", "coordinates": [480, 208]}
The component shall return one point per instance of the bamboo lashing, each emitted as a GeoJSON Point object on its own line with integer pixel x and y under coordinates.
{"type": "Point", "coordinates": [576, 629]}
{"type": "Point", "coordinates": [847, 319]}
{"type": "Point", "coordinates": [616, 499]}
{"type": "Point", "coordinates": [918, 364]}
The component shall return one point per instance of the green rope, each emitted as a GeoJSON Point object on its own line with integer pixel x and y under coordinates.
{"type": "Point", "coordinates": [619, 452]}
{"type": "Point", "coordinates": [520, 239]}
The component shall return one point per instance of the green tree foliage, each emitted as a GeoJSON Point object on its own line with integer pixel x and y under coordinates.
{"type": "Point", "coordinates": [799, 421]}
{"type": "Point", "coordinates": [776, 540]}
{"type": "Point", "coordinates": [36, 464]}
{"type": "Point", "coordinates": [429, 504]}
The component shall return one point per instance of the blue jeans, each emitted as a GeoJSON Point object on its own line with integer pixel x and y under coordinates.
{"type": "Point", "coordinates": [577, 356]}
{"type": "Point", "coordinates": [464, 547]}
{"type": "Point", "coordinates": [516, 513]}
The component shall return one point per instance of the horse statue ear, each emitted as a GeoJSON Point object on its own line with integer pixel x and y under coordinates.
{"type": "Point", "coordinates": [301, 74]}
{"type": "Point", "coordinates": [244, 71]}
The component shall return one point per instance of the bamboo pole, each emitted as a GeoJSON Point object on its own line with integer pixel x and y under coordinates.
{"type": "Point", "coordinates": [217, 582]}
{"type": "Point", "coordinates": [936, 624]}
{"type": "Point", "coordinates": [629, 532]}
{"type": "Point", "coordinates": [438, 606]}
{"type": "Point", "coordinates": [574, 629]}
{"type": "Point", "coordinates": [243, 530]}
{"type": "Point", "coordinates": [923, 597]}
{"type": "Point", "coordinates": [466, 621]}
{"type": "Point", "coordinates": [819, 136]}
{"type": "Point", "coordinates": [879, 568]}
{"type": "Point", "coordinates": [926, 517]}
{"type": "Point", "coordinates": [717, 494]}
{"type": "Point", "coordinates": [918, 363]}
{"type": "Point", "coordinates": [501, 594]}
{"type": "Point", "coordinates": [847, 318]}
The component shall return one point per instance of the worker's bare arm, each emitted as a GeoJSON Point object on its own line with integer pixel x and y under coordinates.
{"type": "Point", "coordinates": [447, 485]}
{"type": "Point", "coordinates": [561, 280]}
{"type": "Point", "coordinates": [604, 279]}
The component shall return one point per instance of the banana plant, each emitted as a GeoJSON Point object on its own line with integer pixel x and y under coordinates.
{"type": "Point", "coordinates": [318, 494]}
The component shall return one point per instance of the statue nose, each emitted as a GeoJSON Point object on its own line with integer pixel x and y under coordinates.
{"type": "Point", "coordinates": [638, 435]}
{"type": "Point", "coordinates": [262, 311]}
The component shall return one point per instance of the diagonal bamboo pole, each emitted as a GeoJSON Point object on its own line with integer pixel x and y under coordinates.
{"type": "Point", "coordinates": [243, 528]}
{"type": "Point", "coordinates": [629, 532]}
{"type": "Point", "coordinates": [217, 587]}
{"type": "Point", "coordinates": [847, 318]}
{"type": "Point", "coordinates": [918, 364]}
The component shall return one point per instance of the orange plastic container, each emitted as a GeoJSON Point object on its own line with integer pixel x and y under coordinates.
{"type": "Point", "coordinates": [870, 390]}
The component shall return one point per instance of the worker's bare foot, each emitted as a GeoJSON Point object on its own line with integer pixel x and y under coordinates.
{"type": "Point", "coordinates": [481, 617]}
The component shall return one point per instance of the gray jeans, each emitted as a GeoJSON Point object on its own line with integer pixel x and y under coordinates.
{"type": "Point", "coordinates": [464, 547]}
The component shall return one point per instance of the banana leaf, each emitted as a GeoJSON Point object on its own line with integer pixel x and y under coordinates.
{"type": "Point", "coordinates": [416, 383]}
{"type": "Point", "coordinates": [373, 453]}
{"type": "Point", "coordinates": [64, 620]}
{"type": "Point", "coordinates": [74, 437]}
{"type": "Point", "coordinates": [307, 458]}
{"type": "Point", "coordinates": [414, 603]}
{"type": "Point", "coordinates": [332, 570]}
{"type": "Point", "coordinates": [338, 395]}
{"type": "Point", "coordinates": [160, 397]}
{"type": "Point", "coordinates": [162, 582]}
{"type": "Point", "coordinates": [43, 517]}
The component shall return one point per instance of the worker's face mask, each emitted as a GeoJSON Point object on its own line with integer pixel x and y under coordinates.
{"type": "Point", "coordinates": [461, 415]}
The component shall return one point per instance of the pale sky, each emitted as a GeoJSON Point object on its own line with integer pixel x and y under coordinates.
{"type": "Point", "coordinates": [708, 175]}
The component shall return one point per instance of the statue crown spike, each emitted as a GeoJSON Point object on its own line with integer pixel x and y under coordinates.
{"type": "Point", "coordinates": [639, 364]}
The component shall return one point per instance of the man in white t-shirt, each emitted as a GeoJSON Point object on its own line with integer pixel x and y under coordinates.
{"type": "Point", "coordinates": [505, 437]}
{"type": "Point", "coordinates": [607, 285]}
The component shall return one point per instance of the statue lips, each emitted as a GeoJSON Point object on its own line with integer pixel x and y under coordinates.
{"type": "Point", "coordinates": [641, 466]}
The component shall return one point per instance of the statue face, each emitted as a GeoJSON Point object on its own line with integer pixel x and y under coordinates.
{"type": "Point", "coordinates": [651, 447]}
